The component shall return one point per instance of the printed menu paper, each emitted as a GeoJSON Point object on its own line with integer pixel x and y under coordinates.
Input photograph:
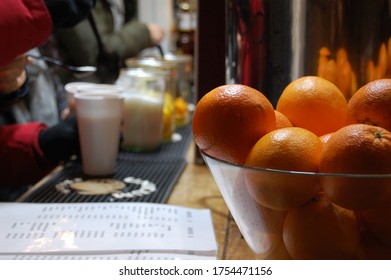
{"type": "Point", "coordinates": [136, 255]}
{"type": "Point", "coordinates": [105, 230]}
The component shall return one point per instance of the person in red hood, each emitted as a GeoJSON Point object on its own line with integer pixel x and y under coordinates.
{"type": "Point", "coordinates": [30, 151]}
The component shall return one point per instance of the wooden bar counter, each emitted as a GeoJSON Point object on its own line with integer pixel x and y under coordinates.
{"type": "Point", "coordinates": [196, 188]}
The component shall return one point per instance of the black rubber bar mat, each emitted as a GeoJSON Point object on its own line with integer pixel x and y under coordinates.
{"type": "Point", "coordinates": [148, 177]}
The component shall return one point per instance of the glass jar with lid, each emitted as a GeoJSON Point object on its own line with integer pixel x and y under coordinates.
{"type": "Point", "coordinates": [143, 109]}
{"type": "Point", "coordinates": [168, 70]}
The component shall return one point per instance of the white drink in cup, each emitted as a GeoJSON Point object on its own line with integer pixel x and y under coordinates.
{"type": "Point", "coordinates": [99, 117]}
{"type": "Point", "coordinates": [143, 122]}
{"type": "Point", "coordinates": [143, 109]}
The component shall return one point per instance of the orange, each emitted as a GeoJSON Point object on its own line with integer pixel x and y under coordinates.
{"type": "Point", "coordinates": [291, 149]}
{"type": "Point", "coordinates": [371, 104]}
{"type": "Point", "coordinates": [267, 235]}
{"type": "Point", "coordinates": [260, 226]}
{"type": "Point", "coordinates": [357, 149]}
{"type": "Point", "coordinates": [313, 103]}
{"type": "Point", "coordinates": [229, 119]}
{"type": "Point", "coordinates": [377, 220]}
{"type": "Point", "coordinates": [281, 120]}
{"type": "Point", "coordinates": [320, 230]}
{"type": "Point", "coordinates": [273, 223]}
{"type": "Point", "coordinates": [325, 138]}
{"type": "Point", "coordinates": [278, 253]}
{"type": "Point", "coordinates": [371, 248]}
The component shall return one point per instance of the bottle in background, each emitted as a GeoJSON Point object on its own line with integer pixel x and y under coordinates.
{"type": "Point", "coordinates": [186, 26]}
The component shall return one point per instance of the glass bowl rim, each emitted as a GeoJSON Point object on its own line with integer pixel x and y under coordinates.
{"type": "Point", "coordinates": [292, 172]}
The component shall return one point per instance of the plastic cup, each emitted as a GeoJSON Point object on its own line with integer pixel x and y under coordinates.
{"type": "Point", "coordinates": [79, 87]}
{"type": "Point", "coordinates": [99, 117]}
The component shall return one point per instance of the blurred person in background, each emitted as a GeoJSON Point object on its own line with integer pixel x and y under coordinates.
{"type": "Point", "coordinates": [31, 150]}
{"type": "Point", "coordinates": [45, 100]}
{"type": "Point", "coordinates": [120, 31]}
{"type": "Point", "coordinates": [26, 24]}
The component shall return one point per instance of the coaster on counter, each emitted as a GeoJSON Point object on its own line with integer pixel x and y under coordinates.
{"type": "Point", "coordinates": [97, 186]}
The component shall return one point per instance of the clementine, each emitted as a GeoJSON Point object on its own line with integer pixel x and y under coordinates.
{"type": "Point", "coordinates": [281, 120]}
{"type": "Point", "coordinates": [320, 230]}
{"type": "Point", "coordinates": [288, 149]}
{"type": "Point", "coordinates": [357, 149]}
{"type": "Point", "coordinates": [371, 104]}
{"type": "Point", "coordinates": [229, 119]}
{"type": "Point", "coordinates": [313, 103]}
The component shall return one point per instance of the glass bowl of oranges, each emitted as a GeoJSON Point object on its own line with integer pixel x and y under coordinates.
{"type": "Point", "coordinates": [316, 186]}
{"type": "Point", "coordinates": [307, 215]}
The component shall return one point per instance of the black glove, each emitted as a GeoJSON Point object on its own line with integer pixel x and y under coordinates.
{"type": "Point", "coordinates": [61, 141]}
{"type": "Point", "coordinates": [68, 13]}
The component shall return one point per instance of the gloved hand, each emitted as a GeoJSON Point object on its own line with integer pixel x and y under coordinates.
{"type": "Point", "coordinates": [61, 141]}
{"type": "Point", "coordinates": [68, 13]}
